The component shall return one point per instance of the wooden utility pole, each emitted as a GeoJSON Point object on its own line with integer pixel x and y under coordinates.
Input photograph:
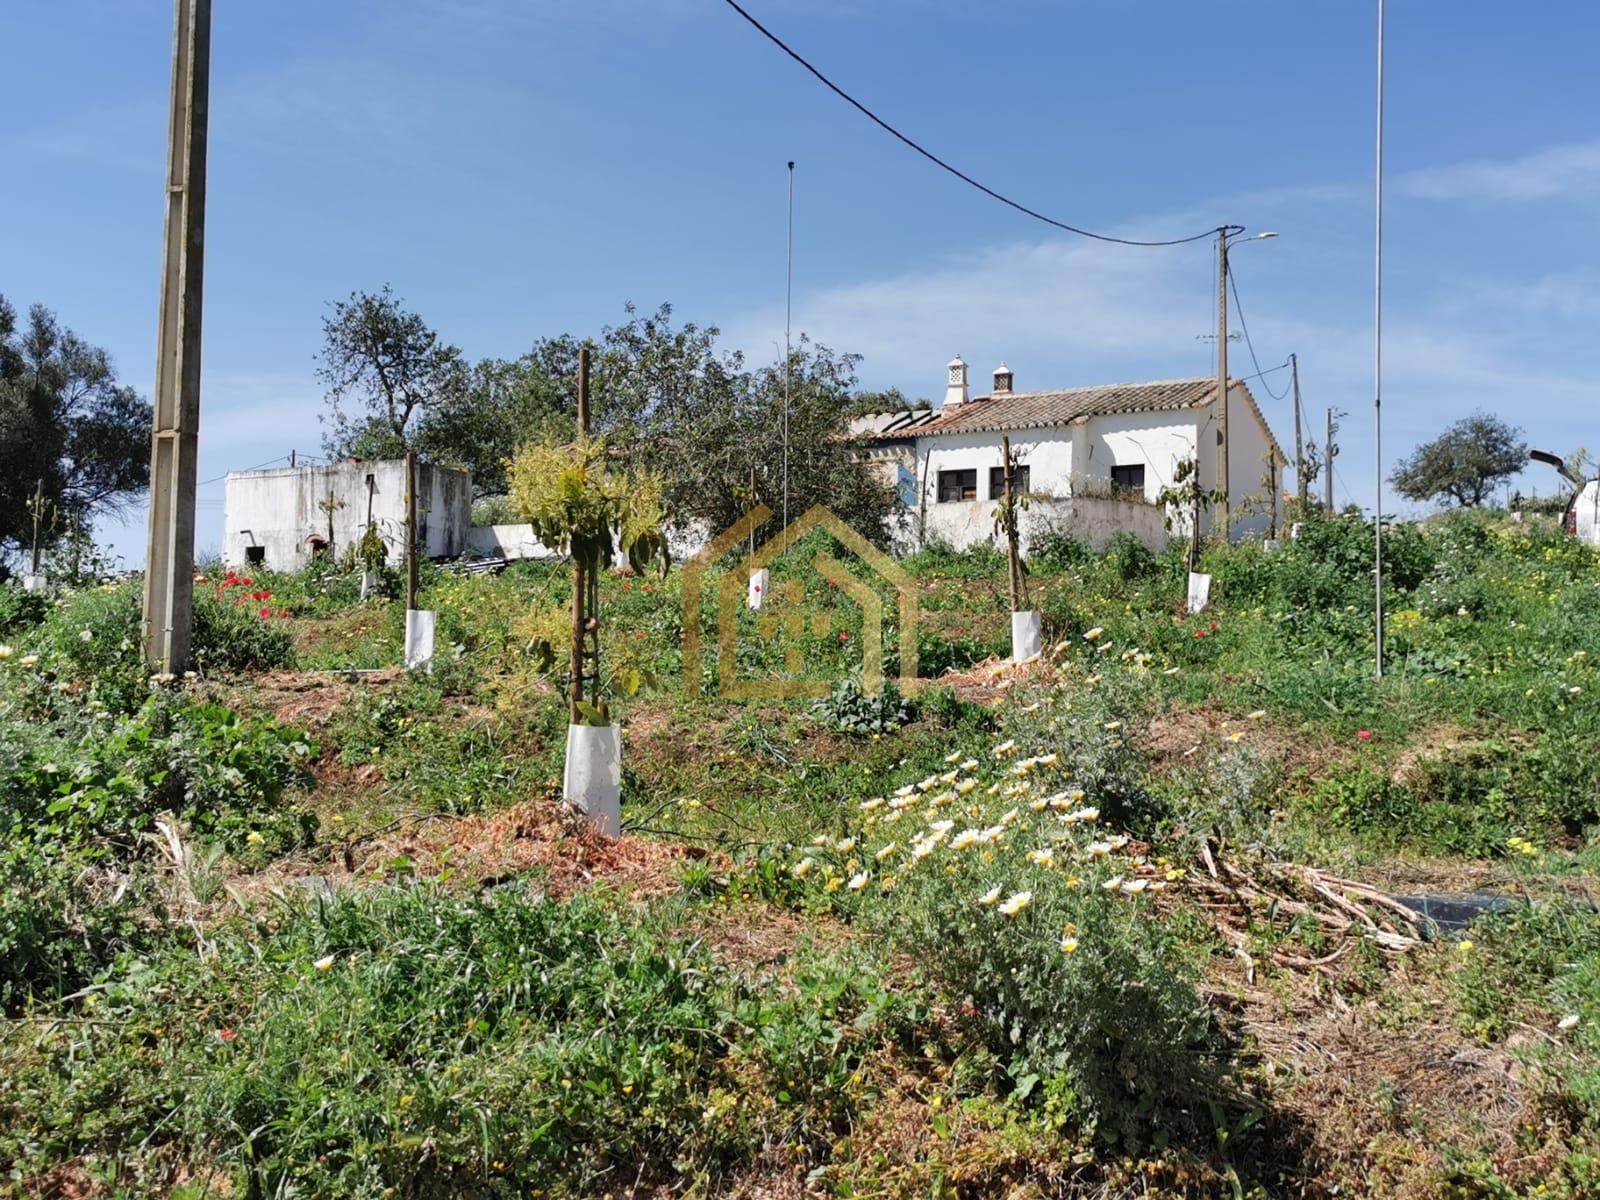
{"type": "Point", "coordinates": [169, 564]}
{"type": "Point", "coordinates": [580, 581]}
{"type": "Point", "coordinates": [411, 530]}
{"type": "Point", "coordinates": [1299, 443]}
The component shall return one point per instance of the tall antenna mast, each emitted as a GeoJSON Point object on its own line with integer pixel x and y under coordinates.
{"type": "Point", "coordinates": [1377, 372]}
{"type": "Point", "coordinates": [788, 310]}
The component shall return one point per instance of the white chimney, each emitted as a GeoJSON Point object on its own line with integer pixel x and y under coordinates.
{"type": "Point", "coordinates": [1002, 380]}
{"type": "Point", "coordinates": [955, 392]}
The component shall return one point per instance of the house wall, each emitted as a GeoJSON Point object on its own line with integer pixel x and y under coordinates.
{"type": "Point", "coordinates": [1095, 520]}
{"type": "Point", "coordinates": [1063, 463]}
{"type": "Point", "coordinates": [1046, 452]}
{"type": "Point", "coordinates": [279, 511]}
{"type": "Point", "coordinates": [1158, 440]}
{"type": "Point", "coordinates": [1254, 503]}
{"type": "Point", "coordinates": [506, 541]}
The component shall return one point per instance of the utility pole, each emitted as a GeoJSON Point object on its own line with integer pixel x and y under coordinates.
{"type": "Point", "coordinates": [1299, 443]}
{"type": "Point", "coordinates": [1377, 375]}
{"type": "Point", "coordinates": [411, 530]}
{"type": "Point", "coordinates": [1329, 451]}
{"type": "Point", "coordinates": [580, 580]}
{"type": "Point", "coordinates": [174, 436]}
{"type": "Point", "coordinates": [1222, 381]}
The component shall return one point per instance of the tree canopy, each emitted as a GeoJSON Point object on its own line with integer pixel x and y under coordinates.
{"type": "Point", "coordinates": [67, 424]}
{"type": "Point", "coordinates": [665, 396]}
{"type": "Point", "coordinates": [385, 370]}
{"type": "Point", "coordinates": [1463, 463]}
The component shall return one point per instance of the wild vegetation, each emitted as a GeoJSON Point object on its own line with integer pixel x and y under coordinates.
{"type": "Point", "coordinates": [1116, 922]}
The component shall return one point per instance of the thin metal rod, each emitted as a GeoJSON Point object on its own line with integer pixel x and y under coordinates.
{"type": "Point", "coordinates": [1377, 371]}
{"type": "Point", "coordinates": [788, 312]}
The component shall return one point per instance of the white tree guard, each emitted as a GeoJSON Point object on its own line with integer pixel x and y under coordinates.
{"type": "Point", "coordinates": [370, 581]}
{"type": "Point", "coordinates": [419, 639]}
{"type": "Point", "coordinates": [1199, 591]}
{"type": "Point", "coordinates": [593, 780]}
{"type": "Point", "coordinates": [760, 581]}
{"type": "Point", "coordinates": [1027, 636]}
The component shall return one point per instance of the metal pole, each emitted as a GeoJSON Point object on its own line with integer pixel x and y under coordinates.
{"type": "Point", "coordinates": [1328, 451]}
{"type": "Point", "coordinates": [788, 311]}
{"type": "Point", "coordinates": [1377, 373]}
{"type": "Point", "coordinates": [1222, 379]}
{"type": "Point", "coordinates": [169, 564]}
{"type": "Point", "coordinates": [1299, 443]}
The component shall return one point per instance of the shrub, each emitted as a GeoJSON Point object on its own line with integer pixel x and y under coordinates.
{"type": "Point", "coordinates": [1129, 557]}
{"type": "Point", "coordinates": [1057, 550]}
{"type": "Point", "coordinates": [20, 610]}
{"type": "Point", "coordinates": [1000, 882]}
{"type": "Point", "coordinates": [93, 778]}
{"type": "Point", "coordinates": [849, 709]}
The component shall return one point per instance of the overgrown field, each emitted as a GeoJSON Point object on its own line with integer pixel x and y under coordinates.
{"type": "Point", "coordinates": [1118, 922]}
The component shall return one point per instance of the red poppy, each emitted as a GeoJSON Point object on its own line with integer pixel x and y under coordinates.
{"type": "Point", "coordinates": [283, 612]}
{"type": "Point", "coordinates": [266, 612]}
{"type": "Point", "coordinates": [247, 581]}
{"type": "Point", "coordinates": [1365, 735]}
{"type": "Point", "coordinates": [1213, 627]}
{"type": "Point", "coordinates": [226, 1034]}
{"type": "Point", "coordinates": [843, 635]}
{"type": "Point", "coordinates": [1199, 633]}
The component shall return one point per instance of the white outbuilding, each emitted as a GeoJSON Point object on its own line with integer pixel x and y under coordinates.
{"type": "Point", "coordinates": [282, 518]}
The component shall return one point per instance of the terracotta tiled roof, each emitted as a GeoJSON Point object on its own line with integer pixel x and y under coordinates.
{"type": "Point", "coordinates": [1041, 410]}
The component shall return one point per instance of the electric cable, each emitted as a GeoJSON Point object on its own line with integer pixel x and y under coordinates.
{"type": "Point", "coordinates": [1239, 308]}
{"type": "Point", "coordinates": [940, 163]}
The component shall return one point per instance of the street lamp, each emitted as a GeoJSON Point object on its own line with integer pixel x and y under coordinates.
{"type": "Point", "coordinates": [1227, 237]}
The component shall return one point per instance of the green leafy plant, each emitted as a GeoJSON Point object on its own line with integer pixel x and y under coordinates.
{"type": "Point", "coordinates": [850, 709]}
{"type": "Point", "coordinates": [578, 504]}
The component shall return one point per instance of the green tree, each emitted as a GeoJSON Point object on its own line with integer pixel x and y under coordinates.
{"type": "Point", "coordinates": [65, 420]}
{"type": "Point", "coordinates": [1463, 463]}
{"type": "Point", "coordinates": [384, 370]}
{"type": "Point", "coordinates": [504, 403]}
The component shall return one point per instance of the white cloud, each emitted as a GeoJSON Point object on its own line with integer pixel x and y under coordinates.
{"type": "Point", "coordinates": [1570, 172]}
{"type": "Point", "coordinates": [1058, 311]}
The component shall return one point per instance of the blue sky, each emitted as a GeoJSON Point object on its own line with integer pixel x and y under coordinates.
{"type": "Point", "coordinates": [517, 168]}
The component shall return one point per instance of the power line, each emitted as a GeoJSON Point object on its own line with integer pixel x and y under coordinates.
{"type": "Point", "coordinates": [1283, 366]}
{"type": "Point", "coordinates": [1239, 308]}
{"type": "Point", "coordinates": [939, 162]}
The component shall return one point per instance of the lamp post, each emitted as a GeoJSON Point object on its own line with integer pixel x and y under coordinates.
{"type": "Point", "coordinates": [1228, 236]}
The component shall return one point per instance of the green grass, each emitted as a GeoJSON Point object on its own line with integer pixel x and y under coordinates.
{"type": "Point", "coordinates": [753, 1027]}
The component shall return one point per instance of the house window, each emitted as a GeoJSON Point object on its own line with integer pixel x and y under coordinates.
{"type": "Point", "coordinates": [997, 481]}
{"type": "Point", "coordinates": [255, 555]}
{"type": "Point", "coordinates": [1128, 479]}
{"type": "Point", "coordinates": [958, 485]}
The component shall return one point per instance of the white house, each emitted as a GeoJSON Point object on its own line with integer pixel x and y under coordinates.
{"type": "Point", "coordinates": [1093, 459]}
{"type": "Point", "coordinates": [281, 518]}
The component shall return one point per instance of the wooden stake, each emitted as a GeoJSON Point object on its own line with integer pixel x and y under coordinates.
{"type": "Point", "coordinates": [580, 580]}
{"type": "Point", "coordinates": [411, 530]}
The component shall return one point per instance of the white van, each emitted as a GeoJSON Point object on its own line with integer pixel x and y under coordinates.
{"type": "Point", "coordinates": [1583, 515]}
